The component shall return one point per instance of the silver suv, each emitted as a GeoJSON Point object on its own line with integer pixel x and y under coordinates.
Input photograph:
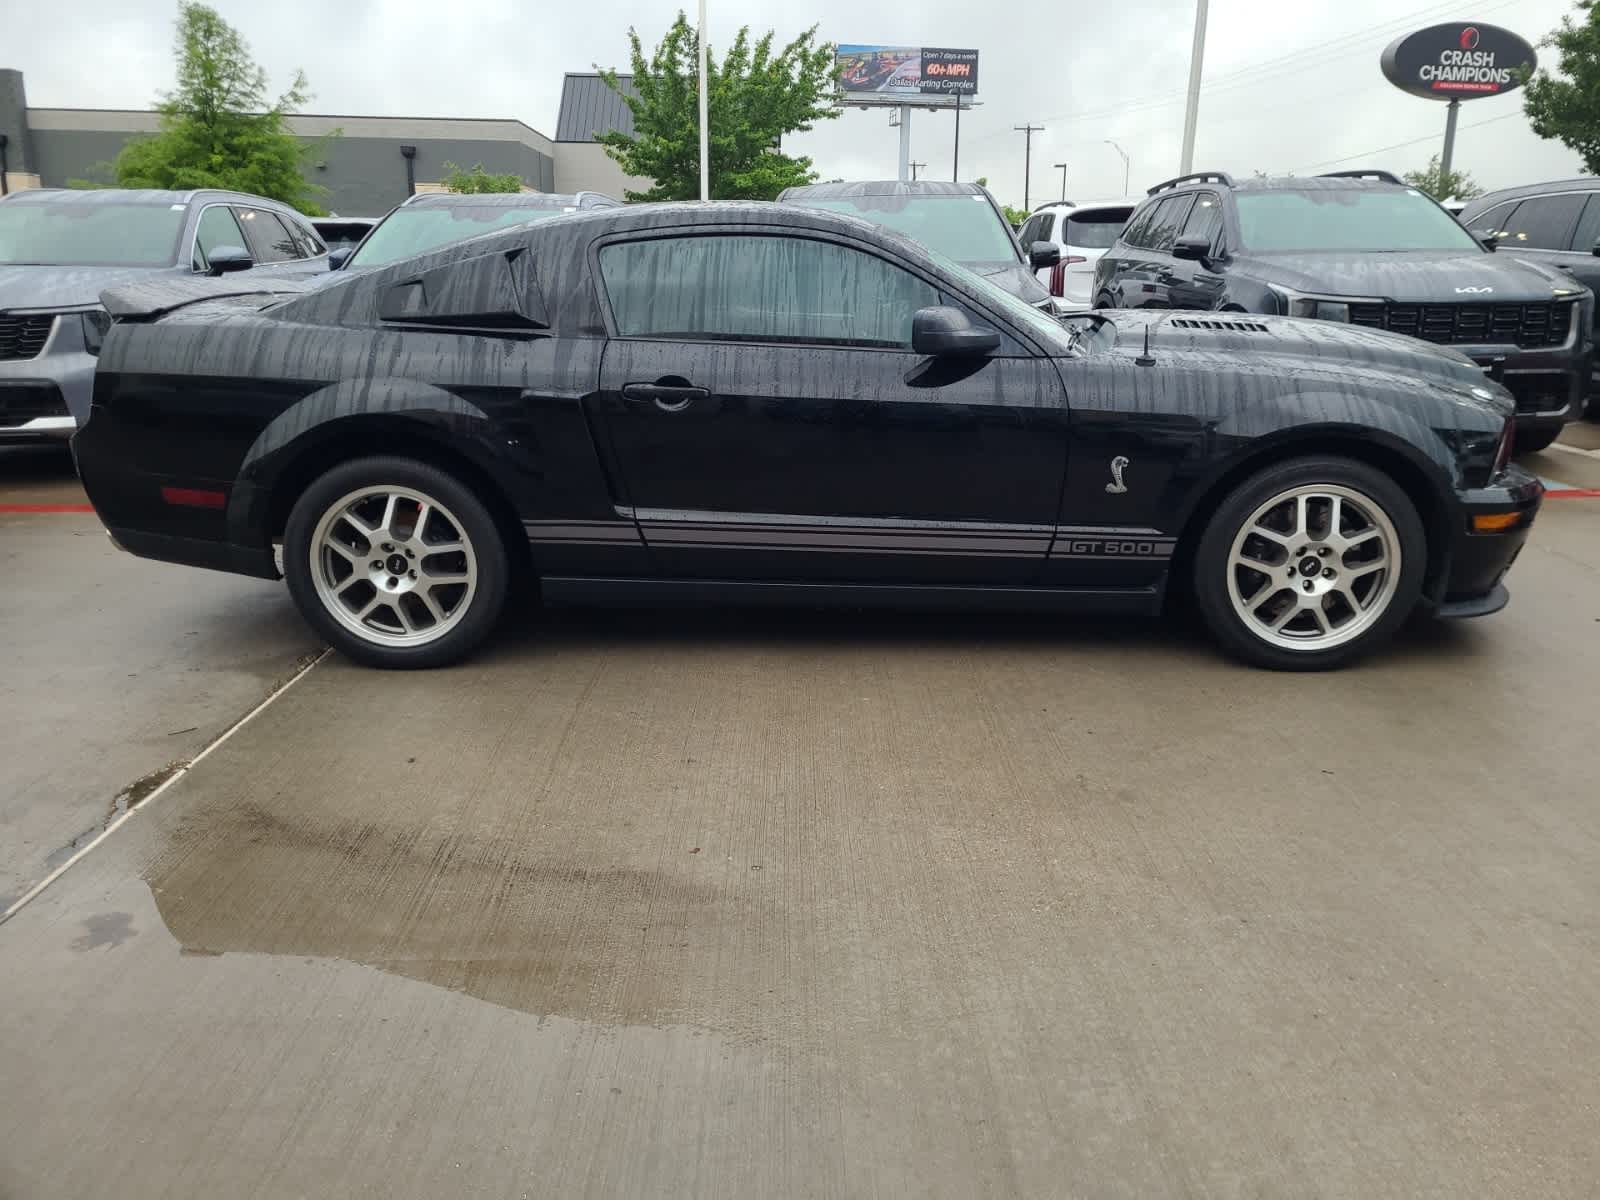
{"type": "Point", "coordinates": [60, 249]}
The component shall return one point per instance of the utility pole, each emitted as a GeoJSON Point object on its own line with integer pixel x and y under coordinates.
{"type": "Point", "coordinates": [705, 133]}
{"type": "Point", "coordinates": [955, 157]}
{"type": "Point", "coordinates": [1191, 111]}
{"type": "Point", "coordinates": [1063, 169]}
{"type": "Point", "coordinates": [915, 167]}
{"type": "Point", "coordinates": [1124, 154]}
{"type": "Point", "coordinates": [1027, 155]}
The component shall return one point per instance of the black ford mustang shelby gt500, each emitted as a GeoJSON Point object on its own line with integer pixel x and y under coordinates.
{"type": "Point", "coordinates": [745, 402]}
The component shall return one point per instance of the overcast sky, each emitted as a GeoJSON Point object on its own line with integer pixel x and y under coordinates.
{"type": "Point", "coordinates": [1289, 84]}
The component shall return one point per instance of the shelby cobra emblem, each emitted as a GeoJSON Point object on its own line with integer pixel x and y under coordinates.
{"type": "Point", "coordinates": [1116, 487]}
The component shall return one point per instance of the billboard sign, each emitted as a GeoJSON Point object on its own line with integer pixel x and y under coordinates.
{"type": "Point", "coordinates": [902, 74]}
{"type": "Point", "coordinates": [1463, 60]}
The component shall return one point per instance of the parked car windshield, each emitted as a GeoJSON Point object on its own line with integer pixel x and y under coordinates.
{"type": "Point", "coordinates": [964, 228]}
{"type": "Point", "coordinates": [408, 232]}
{"type": "Point", "coordinates": [1374, 221]}
{"type": "Point", "coordinates": [77, 233]}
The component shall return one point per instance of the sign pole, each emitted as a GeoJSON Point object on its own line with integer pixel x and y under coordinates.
{"type": "Point", "coordinates": [905, 143]}
{"type": "Point", "coordinates": [1450, 112]}
{"type": "Point", "coordinates": [705, 154]}
{"type": "Point", "coordinates": [1191, 112]}
{"type": "Point", "coordinates": [955, 165]}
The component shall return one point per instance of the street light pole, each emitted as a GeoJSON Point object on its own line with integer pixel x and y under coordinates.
{"type": "Point", "coordinates": [1191, 112]}
{"type": "Point", "coordinates": [705, 128]}
{"type": "Point", "coordinates": [1027, 157]}
{"type": "Point", "coordinates": [1124, 154]}
{"type": "Point", "coordinates": [1063, 169]}
{"type": "Point", "coordinates": [915, 167]}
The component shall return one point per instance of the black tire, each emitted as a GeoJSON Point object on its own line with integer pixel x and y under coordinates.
{"type": "Point", "coordinates": [484, 560]}
{"type": "Point", "coordinates": [1535, 440]}
{"type": "Point", "coordinates": [1215, 582]}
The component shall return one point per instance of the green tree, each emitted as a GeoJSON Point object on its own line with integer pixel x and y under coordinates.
{"type": "Point", "coordinates": [1015, 215]}
{"type": "Point", "coordinates": [478, 180]}
{"type": "Point", "coordinates": [217, 129]}
{"type": "Point", "coordinates": [1567, 105]}
{"type": "Point", "coordinates": [753, 97]}
{"type": "Point", "coordinates": [1442, 184]}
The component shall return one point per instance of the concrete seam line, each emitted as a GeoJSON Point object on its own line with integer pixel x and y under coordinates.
{"type": "Point", "coordinates": [1573, 450]}
{"type": "Point", "coordinates": [38, 888]}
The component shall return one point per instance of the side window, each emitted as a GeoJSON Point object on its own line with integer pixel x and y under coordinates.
{"type": "Point", "coordinates": [1543, 223]}
{"type": "Point", "coordinates": [216, 228]}
{"type": "Point", "coordinates": [1588, 231]}
{"type": "Point", "coordinates": [1205, 219]}
{"type": "Point", "coordinates": [306, 239]}
{"type": "Point", "coordinates": [760, 288]}
{"type": "Point", "coordinates": [1139, 225]}
{"type": "Point", "coordinates": [1493, 222]}
{"type": "Point", "coordinates": [1169, 217]}
{"type": "Point", "coordinates": [1029, 233]}
{"type": "Point", "coordinates": [270, 242]}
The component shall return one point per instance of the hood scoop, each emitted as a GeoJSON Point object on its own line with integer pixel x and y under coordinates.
{"type": "Point", "coordinates": [1217, 325]}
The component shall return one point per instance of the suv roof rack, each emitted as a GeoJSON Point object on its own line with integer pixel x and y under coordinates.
{"type": "Point", "coordinates": [1221, 177]}
{"type": "Point", "coordinates": [1380, 176]}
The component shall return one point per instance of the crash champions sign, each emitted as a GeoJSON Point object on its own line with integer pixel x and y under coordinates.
{"type": "Point", "coordinates": [903, 74]}
{"type": "Point", "coordinates": [1460, 61]}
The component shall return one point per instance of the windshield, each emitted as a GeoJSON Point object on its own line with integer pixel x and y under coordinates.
{"type": "Point", "coordinates": [1347, 219]}
{"type": "Point", "coordinates": [408, 232]}
{"type": "Point", "coordinates": [86, 234]}
{"type": "Point", "coordinates": [1056, 336]}
{"type": "Point", "coordinates": [964, 228]}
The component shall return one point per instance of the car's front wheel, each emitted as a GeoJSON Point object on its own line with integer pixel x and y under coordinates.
{"type": "Point", "coordinates": [396, 563]}
{"type": "Point", "coordinates": [1310, 564]}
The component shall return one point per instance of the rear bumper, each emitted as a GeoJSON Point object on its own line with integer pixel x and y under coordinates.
{"type": "Point", "coordinates": [1479, 561]}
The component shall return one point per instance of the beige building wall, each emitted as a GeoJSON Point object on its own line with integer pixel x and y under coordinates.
{"type": "Point", "coordinates": [586, 167]}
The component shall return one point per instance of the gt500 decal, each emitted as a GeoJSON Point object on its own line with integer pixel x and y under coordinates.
{"type": "Point", "coordinates": [1114, 549]}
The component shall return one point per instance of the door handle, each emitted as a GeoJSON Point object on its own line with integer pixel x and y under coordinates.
{"type": "Point", "coordinates": [668, 397]}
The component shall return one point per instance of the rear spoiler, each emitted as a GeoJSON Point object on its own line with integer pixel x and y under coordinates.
{"type": "Point", "coordinates": [160, 295]}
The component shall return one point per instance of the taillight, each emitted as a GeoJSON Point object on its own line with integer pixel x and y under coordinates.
{"type": "Point", "coordinates": [1058, 274]}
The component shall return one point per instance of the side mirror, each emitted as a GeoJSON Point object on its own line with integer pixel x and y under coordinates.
{"type": "Point", "coordinates": [338, 258]}
{"type": "Point", "coordinates": [1192, 249]}
{"type": "Point", "coordinates": [224, 259]}
{"type": "Point", "coordinates": [1043, 254]}
{"type": "Point", "coordinates": [946, 332]}
{"type": "Point", "coordinates": [1489, 239]}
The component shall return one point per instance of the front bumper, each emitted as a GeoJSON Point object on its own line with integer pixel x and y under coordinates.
{"type": "Point", "coordinates": [1478, 562]}
{"type": "Point", "coordinates": [44, 398]}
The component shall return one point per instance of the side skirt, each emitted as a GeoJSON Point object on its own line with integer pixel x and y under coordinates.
{"type": "Point", "coordinates": [572, 590]}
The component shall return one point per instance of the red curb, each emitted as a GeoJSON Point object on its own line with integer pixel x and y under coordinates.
{"type": "Point", "coordinates": [1573, 494]}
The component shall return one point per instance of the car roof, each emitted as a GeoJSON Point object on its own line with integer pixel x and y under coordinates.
{"type": "Point", "coordinates": [1075, 206]}
{"type": "Point", "coordinates": [1310, 183]}
{"type": "Point", "coordinates": [509, 200]}
{"type": "Point", "coordinates": [881, 187]}
{"type": "Point", "coordinates": [154, 197]}
{"type": "Point", "coordinates": [1588, 183]}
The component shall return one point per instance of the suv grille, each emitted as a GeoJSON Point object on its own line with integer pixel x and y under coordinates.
{"type": "Point", "coordinates": [22, 402]}
{"type": "Point", "coordinates": [1530, 326]}
{"type": "Point", "coordinates": [23, 337]}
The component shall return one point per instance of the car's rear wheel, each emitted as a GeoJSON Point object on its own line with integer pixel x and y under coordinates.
{"type": "Point", "coordinates": [396, 563]}
{"type": "Point", "coordinates": [1310, 564]}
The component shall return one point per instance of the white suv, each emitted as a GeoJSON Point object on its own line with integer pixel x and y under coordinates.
{"type": "Point", "coordinates": [1082, 232]}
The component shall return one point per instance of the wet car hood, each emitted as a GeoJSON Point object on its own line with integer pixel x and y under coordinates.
{"type": "Point", "coordinates": [66, 287]}
{"type": "Point", "coordinates": [1312, 344]}
{"type": "Point", "coordinates": [1411, 276]}
{"type": "Point", "coordinates": [1014, 277]}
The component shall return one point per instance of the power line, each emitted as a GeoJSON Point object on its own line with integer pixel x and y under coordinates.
{"type": "Point", "coordinates": [1427, 137]}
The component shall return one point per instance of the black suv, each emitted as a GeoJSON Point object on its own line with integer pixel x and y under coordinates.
{"type": "Point", "coordinates": [1360, 247]}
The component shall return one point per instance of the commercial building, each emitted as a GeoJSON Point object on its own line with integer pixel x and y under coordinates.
{"type": "Point", "coordinates": [368, 164]}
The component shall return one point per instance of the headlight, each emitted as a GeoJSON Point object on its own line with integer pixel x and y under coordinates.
{"type": "Point", "coordinates": [96, 323]}
{"type": "Point", "coordinates": [1295, 304]}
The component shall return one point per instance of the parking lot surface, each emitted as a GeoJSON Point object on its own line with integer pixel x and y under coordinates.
{"type": "Point", "coordinates": [800, 904]}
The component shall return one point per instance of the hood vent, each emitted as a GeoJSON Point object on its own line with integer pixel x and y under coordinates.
{"type": "Point", "coordinates": [1218, 326]}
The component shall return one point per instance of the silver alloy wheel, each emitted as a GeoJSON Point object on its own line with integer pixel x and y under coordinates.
{"type": "Point", "coordinates": [393, 565]}
{"type": "Point", "coordinates": [1314, 567]}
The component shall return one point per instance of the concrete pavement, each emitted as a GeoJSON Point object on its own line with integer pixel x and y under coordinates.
{"type": "Point", "coordinates": [792, 905]}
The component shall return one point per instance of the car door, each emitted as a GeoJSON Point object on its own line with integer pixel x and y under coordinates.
{"type": "Point", "coordinates": [216, 228]}
{"type": "Point", "coordinates": [1582, 261]}
{"type": "Point", "coordinates": [768, 419]}
{"type": "Point", "coordinates": [1169, 274]}
{"type": "Point", "coordinates": [1200, 285]}
{"type": "Point", "coordinates": [1145, 274]}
